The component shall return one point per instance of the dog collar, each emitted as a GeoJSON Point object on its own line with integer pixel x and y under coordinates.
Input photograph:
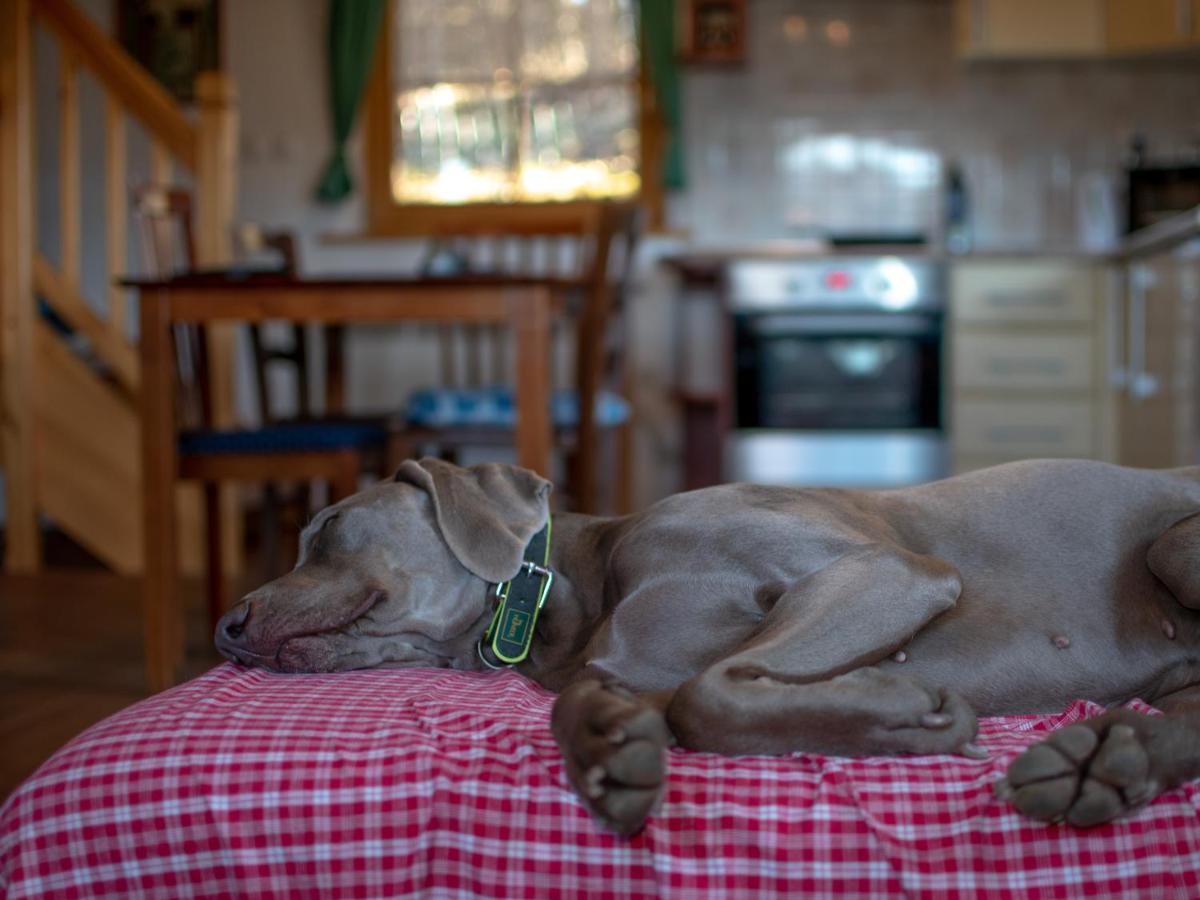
{"type": "Point", "coordinates": [518, 601]}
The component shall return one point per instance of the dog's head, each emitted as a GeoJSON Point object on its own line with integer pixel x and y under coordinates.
{"type": "Point", "coordinates": [394, 576]}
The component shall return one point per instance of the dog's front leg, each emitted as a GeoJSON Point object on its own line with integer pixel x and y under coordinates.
{"type": "Point", "coordinates": [1103, 768]}
{"type": "Point", "coordinates": [614, 746]}
{"type": "Point", "coordinates": [807, 679]}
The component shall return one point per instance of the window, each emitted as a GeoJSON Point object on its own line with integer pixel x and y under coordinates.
{"type": "Point", "coordinates": [503, 103]}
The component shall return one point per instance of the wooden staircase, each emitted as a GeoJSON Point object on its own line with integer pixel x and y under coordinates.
{"type": "Point", "coordinates": [89, 488]}
{"type": "Point", "coordinates": [70, 443]}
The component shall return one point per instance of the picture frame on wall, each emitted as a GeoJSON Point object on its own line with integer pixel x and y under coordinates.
{"type": "Point", "coordinates": [713, 31]}
{"type": "Point", "coordinates": [174, 40]}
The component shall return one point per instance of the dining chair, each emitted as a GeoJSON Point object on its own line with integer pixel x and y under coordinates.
{"type": "Point", "coordinates": [473, 405]}
{"type": "Point", "coordinates": [304, 449]}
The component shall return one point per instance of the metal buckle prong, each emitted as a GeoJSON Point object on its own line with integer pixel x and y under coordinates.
{"type": "Point", "coordinates": [542, 572]}
{"type": "Point", "coordinates": [530, 566]}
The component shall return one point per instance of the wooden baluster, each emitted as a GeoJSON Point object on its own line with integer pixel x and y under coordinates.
{"type": "Point", "coordinates": [17, 362]}
{"type": "Point", "coordinates": [161, 167]}
{"type": "Point", "coordinates": [68, 162]}
{"type": "Point", "coordinates": [157, 231]}
{"type": "Point", "coordinates": [116, 211]}
{"type": "Point", "coordinates": [143, 97]}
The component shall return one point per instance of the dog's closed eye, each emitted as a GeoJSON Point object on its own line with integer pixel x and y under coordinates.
{"type": "Point", "coordinates": [311, 537]}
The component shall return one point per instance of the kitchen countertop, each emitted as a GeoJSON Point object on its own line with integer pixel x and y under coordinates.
{"type": "Point", "coordinates": [705, 262]}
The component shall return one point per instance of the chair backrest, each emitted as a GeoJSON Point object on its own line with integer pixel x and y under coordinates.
{"type": "Point", "coordinates": [168, 242]}
{"type": "Point", "coordinates": [164, 215]}
{"type": "Point", "coordinates": [597, 253]}
{"type": "Point", "coordinates": [601, 334]}
{"type": "Point", "coordinates": [625, 233]}
{"type": "Point", "coordinates": [164, 219]}
{"type": "Point", "coordinates": [293, 351]}
{"type": "Point", "coordinates": [595, 249]}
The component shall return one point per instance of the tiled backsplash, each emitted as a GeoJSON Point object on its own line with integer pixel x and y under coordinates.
{"type": "Point", "coordinates": [847, 112]}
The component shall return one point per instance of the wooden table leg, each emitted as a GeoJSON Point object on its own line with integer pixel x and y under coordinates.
{"type": "Point", "coordinates": [530, 311]}
{"type": "Point", "coordinates": [161, 611]}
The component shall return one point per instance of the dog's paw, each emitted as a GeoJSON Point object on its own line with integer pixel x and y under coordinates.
{"type": "Point", "coordinates": [910, 717]}
{"type": "Point", "coordinates": [614, 746]}
{"type": "Point", "coordinates": [1084, 775]}
{"type": "Point", "coordinates": [948, 725]}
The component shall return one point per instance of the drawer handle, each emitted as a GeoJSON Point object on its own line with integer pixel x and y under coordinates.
{"type": "Point", "coordinates": [1026, 299]}
{"type": "Point", "coordinates": [1031, 366]}
{"type": "Point", "coordinates": [1140, 383]}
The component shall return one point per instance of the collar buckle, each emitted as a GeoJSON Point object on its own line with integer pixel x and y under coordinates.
{"type": "Point", "coordinates": [509, 637]}
{"type": "Point", "coordinates": [541, 572]}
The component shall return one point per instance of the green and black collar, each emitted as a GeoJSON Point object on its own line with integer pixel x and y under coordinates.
{"type": "Point", "coordinates": [510, 634]}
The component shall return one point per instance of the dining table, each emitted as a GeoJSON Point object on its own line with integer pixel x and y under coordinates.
{"type": "Point", "coordinates": [527, 306]}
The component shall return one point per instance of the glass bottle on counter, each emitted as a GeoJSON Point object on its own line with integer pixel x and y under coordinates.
{"type": "Point", "coordinates": [957, 211]}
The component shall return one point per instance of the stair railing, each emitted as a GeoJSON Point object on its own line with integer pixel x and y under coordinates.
{"type": "Point", "coordinates": [202, 146]}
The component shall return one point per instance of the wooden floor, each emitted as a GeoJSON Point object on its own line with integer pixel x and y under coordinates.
{"type": "Point", "coordinates": [71, 654]}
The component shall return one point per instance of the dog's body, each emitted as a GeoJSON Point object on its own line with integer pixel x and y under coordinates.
{"type": "Point", "coordinates": [745, 619]}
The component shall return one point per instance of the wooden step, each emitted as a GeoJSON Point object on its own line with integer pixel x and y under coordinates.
{"type": "Point", "coordinates": [89, 462]}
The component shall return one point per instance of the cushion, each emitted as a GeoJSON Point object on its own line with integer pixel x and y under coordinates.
{"type": "Point", "coordinates": [429, 782]}
{"type": "Point", "coordinates": [297, 436]}
{"type": "Point", "coordinates": [495, 407]}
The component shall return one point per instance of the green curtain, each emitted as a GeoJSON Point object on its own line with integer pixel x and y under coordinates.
{"type": "Point", "coordinates": [658, 41]}
{"type": "Point", "coordinates": [354, 27]}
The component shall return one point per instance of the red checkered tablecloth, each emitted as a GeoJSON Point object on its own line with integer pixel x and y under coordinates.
{"type": "Point", "coordinates": [437, 783]}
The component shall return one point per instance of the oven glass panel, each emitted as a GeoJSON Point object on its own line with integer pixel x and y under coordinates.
{"type": "Point", "coordinates": [842, 373]}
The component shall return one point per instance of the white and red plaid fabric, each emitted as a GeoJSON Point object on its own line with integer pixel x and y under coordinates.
{"type": "Point", "coordinates": [402, 782]}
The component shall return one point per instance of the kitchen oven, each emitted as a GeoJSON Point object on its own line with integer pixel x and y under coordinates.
{"type": "Point", "coordinates": [837, 371]}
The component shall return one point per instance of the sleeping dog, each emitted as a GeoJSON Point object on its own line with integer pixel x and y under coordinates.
{"type": "Point", "coordinates": [757, 620]}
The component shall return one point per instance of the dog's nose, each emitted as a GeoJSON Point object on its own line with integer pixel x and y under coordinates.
{"type": "Point", "coordinates": [233, 624]}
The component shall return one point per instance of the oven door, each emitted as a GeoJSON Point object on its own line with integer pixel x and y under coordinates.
{"type": "Point", "coordinates": [870, 371]}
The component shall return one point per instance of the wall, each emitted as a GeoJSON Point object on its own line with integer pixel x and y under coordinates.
{"type": "Point", "coordinates": [847, 110]}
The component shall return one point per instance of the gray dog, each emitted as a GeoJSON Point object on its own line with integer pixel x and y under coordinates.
{"type": "Point", "coordinates": [746, 620]}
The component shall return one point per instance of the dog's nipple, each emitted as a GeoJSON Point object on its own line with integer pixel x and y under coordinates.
{"type": "Point", "coordinates": [1061, 641]}
{"type": "Point", "coordinates": [899, 656]}
{"type": "Point", "coordinates": [1168, 628]}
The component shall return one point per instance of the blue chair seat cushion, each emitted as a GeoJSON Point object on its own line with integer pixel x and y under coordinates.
{"type": "Point", "coordinates": [495, 407]}
{"type": "Point", "coordinates": [285, 437]}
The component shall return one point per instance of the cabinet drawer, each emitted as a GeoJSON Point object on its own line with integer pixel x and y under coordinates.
{"type": "Point", "coordinates": [1016, 362]}
{"type": "Point", "coordinates": [1004, 429]}
{"type": "Point", "coordinates": [1032, 292]}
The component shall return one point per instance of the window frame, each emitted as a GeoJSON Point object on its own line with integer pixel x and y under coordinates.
{"type": "Point", "coordinates": [388, 217]}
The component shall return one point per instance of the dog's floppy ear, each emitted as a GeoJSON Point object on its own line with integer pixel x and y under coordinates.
{"type": "Point", "coordinates": [487, 513]}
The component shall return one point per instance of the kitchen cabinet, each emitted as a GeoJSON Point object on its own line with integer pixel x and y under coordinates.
{"type": "Point", "coordinates": [1147, 26]}
{"type": "Point", "coordinates": [1154, 372]}
{"type": "Point", "coordinates": [1065, 29]}
{"type": "Point", "coordinates": [1034, 29]}
{"type": "Point", "coordinates": [1027, 361]}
